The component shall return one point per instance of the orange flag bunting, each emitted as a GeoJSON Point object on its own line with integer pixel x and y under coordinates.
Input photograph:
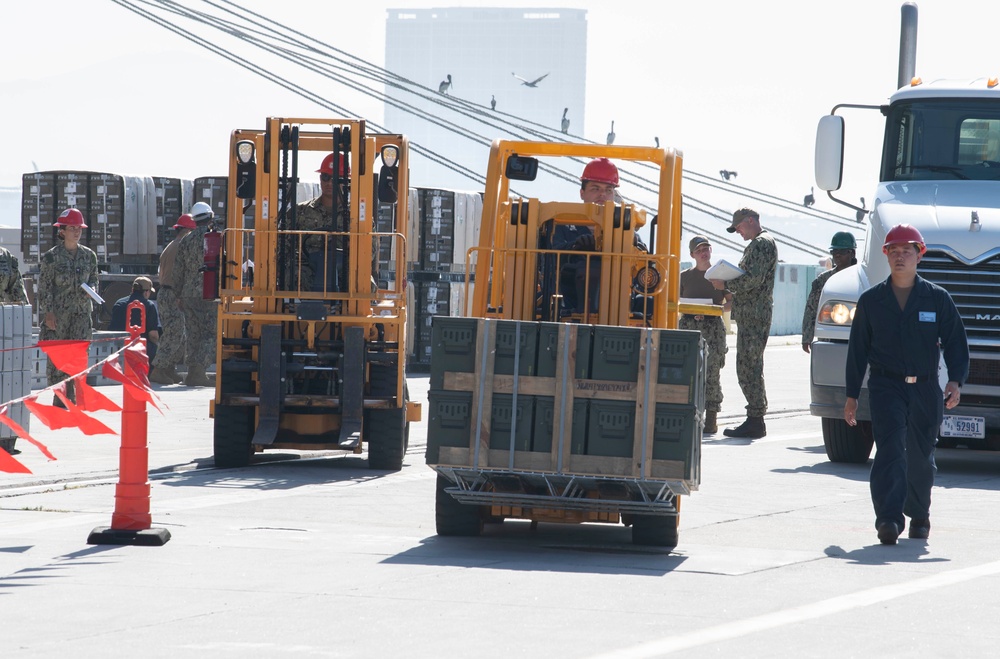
{"type": "Point", "coordinates": [70, 357]}
{"type": "Point", "coordinates": [91, 400]}
{"type": "Point", "coordinates": [135, 356]}
{"type": "Point", "coordinates": [113, 371]}
{"type": "Point", "coordinates": [71, 417]}
{"type": "Point", "coordinates": [11, 466]}
{"type": "Point", "coordinates": [23, 434]}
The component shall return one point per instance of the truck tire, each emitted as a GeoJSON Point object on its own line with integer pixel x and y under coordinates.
{"type": "Point", "coordinates": [844, 443]}
{"type": "Point", "coordinates": [454, 518]}
{"type": "Point", "coordinates": [655, 530]}
{"type": "Point", "coordinates": [233, 432]}
{"type": "Point", "coordinates": [387, 431]}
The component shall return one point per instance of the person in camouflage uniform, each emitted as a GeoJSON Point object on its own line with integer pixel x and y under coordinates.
{"type": "Point", "coordinates": [201, 316]}
{"type": "Point", "coordinates": [63, 306]}
{"type": "Point", "coordinates": [11, 285]}
{"type": "Point", "coordinates": [172, 349]}
{"type": "Point", "coordinates": [319, 252]}
{"type": "Point", "coordinates": [842, 249]}
{"type": "Point", "coordinates": [753, 301]}
{"type": "Point", "coordinates": [694, 285]}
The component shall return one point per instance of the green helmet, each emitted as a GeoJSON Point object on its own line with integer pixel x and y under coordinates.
{"type": "Point", "coordinates": [843, 240]}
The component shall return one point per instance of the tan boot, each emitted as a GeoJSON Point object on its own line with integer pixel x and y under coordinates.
{"type": "Point", "coordinates": [711, 423]}
{"type": "Point", "coordinates": [196, 377]}
{"type": "Point", "coordinates": [164, 375]}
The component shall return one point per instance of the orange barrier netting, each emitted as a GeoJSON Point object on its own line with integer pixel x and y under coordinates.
{"type": "Point", "coordinates": [72, 357]}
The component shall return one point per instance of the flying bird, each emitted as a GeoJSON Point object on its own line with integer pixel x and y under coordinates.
{"type": "Point", "coordinates": [809, 198]}
{"type": "Point", "coordinates": [611, 135]}
{"type": "Point", "coordinates": [529, 83]}
{"type": "Point", "coordinates": [726, 174]}
{"type": "Point", "coordinates": [493, 102]}
{"type": "Point", "coordinates": [565, 121]}
{"type": "Point", "coordinates": [445, 85]}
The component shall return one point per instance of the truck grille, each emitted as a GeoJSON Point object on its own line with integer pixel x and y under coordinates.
{"type": "Point", "coordinates": [976, 291]}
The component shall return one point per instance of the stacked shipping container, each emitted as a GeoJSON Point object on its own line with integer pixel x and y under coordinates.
{"type": "Point", "coordinates": [444, 225]}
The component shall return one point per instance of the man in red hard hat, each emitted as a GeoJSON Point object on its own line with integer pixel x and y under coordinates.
{"type": "Point", "coordinates": [900, 329]}
{"type": "Point", "coordinates": [317, 214]}
{"type": "Point", "coordinates": [598, 184]}
{"type": "Point", "coordinates": [172, 349]}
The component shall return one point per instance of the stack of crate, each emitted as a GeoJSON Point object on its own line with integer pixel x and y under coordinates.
{"type": "Point", "coordinates": [15, 367]}
{"type": "Point", "coordinates": [173, 199]}
{"type": "Point", "coordinates": [445, 225]}
{"type": "Point", "coordinates": [604, 380]}
{"type": "Point", "coordinates": [120, 212]}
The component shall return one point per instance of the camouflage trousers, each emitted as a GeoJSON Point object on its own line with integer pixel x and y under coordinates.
{"type": "Point", "coordinates": [751, 339]}
{"type": "Point", "coordinates": [201, 319]}
{"type": "Point", "coordinates": [77, 327]}
{"type": "Point", "coordinates": [714, 332]}
{"type": "Point", "coordinates": [172, 349]}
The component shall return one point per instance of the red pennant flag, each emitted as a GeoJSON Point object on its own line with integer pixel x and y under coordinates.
{"type": "Point", "coordinates": [112, 371]}
{"type": "Point", "coordinates": [135, 357]}
{"type": "Point", "coordinates": [70, 357]}
{"type": "Point", "coordinates": [91, 400]}
{"type": "Point", "coordinates": [23, 434]}
{"type": "Point", "coordinates": [71, 417]}
{"type": "Point", "coordinates": [11, 466]}
{"type": "Point", "coordinates": [54, 417]}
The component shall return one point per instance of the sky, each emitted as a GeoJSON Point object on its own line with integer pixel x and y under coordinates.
{"type": "Point", "coordinates": [735, 85]}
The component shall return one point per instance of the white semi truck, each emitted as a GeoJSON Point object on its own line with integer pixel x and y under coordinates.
{"type": "Point", "coordinates": [940, 172]}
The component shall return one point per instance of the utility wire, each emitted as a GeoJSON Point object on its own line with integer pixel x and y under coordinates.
{"type": "Point", "coordinates": [314, 60]}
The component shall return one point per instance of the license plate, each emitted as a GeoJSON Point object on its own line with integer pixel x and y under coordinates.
{"type": "Point", "coordinates": [972, 427]}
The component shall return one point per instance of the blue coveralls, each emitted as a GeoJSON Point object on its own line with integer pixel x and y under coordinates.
{"type": "Point", "coordinates": [905, 416]}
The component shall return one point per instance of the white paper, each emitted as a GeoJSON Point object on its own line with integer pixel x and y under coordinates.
{"type": "Point", "coordinates": [92, 293]}
{"type": "Point", "coordinates": [696, 300]}
{"type": "Point", "coordinates": [724, 270]}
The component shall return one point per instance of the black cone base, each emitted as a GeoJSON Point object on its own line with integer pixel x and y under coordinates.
{"type": "Point", "coordinates": [105, 535]}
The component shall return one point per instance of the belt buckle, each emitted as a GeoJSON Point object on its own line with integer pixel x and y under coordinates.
{"type": "Point", "coordinates": [910, 379]}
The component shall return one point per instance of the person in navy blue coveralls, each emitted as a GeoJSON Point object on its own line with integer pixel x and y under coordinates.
{"type": "Point", "coordinates": [900, 329]}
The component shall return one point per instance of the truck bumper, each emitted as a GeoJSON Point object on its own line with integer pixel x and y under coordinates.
{"type": "Point", "coordinates": [827, 389]}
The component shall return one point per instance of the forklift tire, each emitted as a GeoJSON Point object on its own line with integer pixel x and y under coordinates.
{"type": "Point", "coordinates": [387, 431]}
{"type": "Point", "coordinates": [454, 518]}
{"type": "Point", "coordinates": [655, 530]}
{"type": "Point", "coordinates": [388, 434]}
{"type": "Point", "coordinates": [233, 432]}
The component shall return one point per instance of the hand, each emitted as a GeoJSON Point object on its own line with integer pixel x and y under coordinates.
{"type": "Point", "coordinates": [806, 347]}
{"type": "Point", "coordinates": [850, 409]}
{"type": "Point", "coordinates": [585, 242]}
{"type": "Point", "coordinates": [951, 395]}
{"type": "Point", "coordinates": [717, 284]}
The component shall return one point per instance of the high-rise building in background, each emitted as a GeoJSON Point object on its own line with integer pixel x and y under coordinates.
{"type": "Point", "coordinates": [473, 55]}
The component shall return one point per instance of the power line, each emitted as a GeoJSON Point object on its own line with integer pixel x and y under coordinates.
{"type": "Point", "coordinates": [262, 34]}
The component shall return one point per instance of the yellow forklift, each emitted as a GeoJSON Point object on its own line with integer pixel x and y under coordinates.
{"type": "Point", "coordinates": [310, 351]}
{"type": "Point", "coordinates": [566, 394]}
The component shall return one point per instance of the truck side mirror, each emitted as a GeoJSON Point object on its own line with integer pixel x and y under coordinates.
{"type": "Point", "coordinates": [829, 163]}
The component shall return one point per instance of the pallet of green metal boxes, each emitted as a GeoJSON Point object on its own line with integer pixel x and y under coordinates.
{"type": "Point", "coordinates": [565, 423]}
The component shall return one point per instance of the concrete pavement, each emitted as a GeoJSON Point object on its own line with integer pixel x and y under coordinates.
{"type": "Point", "coordinates": [316, 555]}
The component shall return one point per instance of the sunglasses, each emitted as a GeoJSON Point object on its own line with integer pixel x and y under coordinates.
{"type": "Point", "coordinates": [326, 178]}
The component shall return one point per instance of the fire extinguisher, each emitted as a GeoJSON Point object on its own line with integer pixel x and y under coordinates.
{"type": "Point", "coordinates": [210, 268]}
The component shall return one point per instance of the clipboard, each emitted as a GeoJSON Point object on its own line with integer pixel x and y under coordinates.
{"type": "Point", "coordinates": [724, 270]}
{"type": "Point", "coordinates": [92, 293]}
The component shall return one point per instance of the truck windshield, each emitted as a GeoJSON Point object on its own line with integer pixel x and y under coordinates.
{"type": "Point", "coordinates": [942, 140]}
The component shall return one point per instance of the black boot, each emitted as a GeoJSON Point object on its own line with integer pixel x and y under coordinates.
{"type": "Point", "coordinates": [752, 428]}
